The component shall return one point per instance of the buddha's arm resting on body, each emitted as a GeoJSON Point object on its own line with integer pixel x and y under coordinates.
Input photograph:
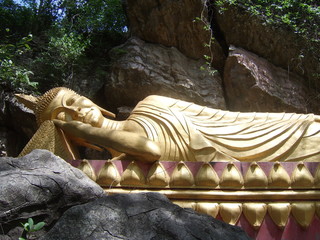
{"type": "Point", "coordinates": [121, 141]}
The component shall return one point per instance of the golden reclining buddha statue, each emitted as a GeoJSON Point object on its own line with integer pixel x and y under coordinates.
{"type": "Point", "coordinates": [267, 162]}
{"type": "Point", "coordinates": [167, 129]}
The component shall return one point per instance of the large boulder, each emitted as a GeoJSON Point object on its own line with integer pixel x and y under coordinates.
{"type": "Point", "coordinates": [280, 46]}
{"type": "Point", "coordinates": [141, 216]}
{"type": "Point", "coordinates": [181, 24]}
{"type": "Point", "coordinates": [261, 86]}
{"type": "Point", "coordinates": [42, 186]}
{"type": "Point", "coordinates": [140, 69]}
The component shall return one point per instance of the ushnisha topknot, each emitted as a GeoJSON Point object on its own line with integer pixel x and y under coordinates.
{"type": "Point", "coordinates": [44, 101]}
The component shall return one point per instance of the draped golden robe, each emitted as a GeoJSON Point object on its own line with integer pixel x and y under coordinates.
{"type": "Point", "coordinates": [190, 132]}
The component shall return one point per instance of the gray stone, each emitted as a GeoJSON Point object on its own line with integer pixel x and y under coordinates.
{"type": "Point", "coordinates": [174, 24]}
{"type": "Point", "coordinates": [279, 45]}
{"type": "Point", "coordinates": [42, 186]}
{"type": "Point", "coordinates": [254, 84]}
{"type": "Point", "coordinates": [140, 216]}
{"type": "Point", "coordinates": [141, 69]}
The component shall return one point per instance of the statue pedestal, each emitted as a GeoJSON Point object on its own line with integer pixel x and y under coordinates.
{"type": "Point", "coordinates": [268, 200]}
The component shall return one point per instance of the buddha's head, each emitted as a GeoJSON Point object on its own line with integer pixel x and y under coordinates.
{"type": "Point", "coordinates": [66, 105]}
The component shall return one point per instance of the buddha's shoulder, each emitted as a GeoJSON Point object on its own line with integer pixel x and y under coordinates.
{"type": "Point", "coordinates": [164, 101]}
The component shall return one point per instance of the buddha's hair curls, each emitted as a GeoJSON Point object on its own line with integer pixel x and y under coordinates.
{"type": "Point", "coordinates": [44, 101]}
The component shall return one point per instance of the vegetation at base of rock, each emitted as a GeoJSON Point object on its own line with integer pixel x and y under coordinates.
{"type": "Point", "coordinates": [301, 16]}
{"type": "Point", "coordinates": [30, 227]}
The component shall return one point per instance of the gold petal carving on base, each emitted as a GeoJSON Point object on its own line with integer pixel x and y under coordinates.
{"type": "Point", "coordinates": [255, 177]}
{"type": "Point", "coordinates": [278, 176]}
{"type": "Point", "coordinates": [86, 167]}
{"type": "Point", "coordinates": [207, 176]}
{"type": "Point", "coordinates": [231, 177]}
{"type": "Point", "coordinates": [230, 212]}
{"type": "Point", "coordinates": [132, 176]}
{"type": "Point", "coordinates": [279, 212]}
{"type": "Point", "coordinates": [158, 175]}
{"type": "Point", "coordinates": [185, 204]}
{"type": "Point", "coordinates": [301, 177]}
{"type": "Point", "coordinates": [303, 212]}
{"type": "Point", "coordinates": [317, 177]}
{"type": "Point", "coordinates": [209, 208]}
{"type": "Point", "coordinates": [255, 213]}
{"type": "Point", "coordinates": [108, 174]}
{"type": "Point", "coordinates": [182, 176]}
{"type": "Point", "coordinates": [317, 205]}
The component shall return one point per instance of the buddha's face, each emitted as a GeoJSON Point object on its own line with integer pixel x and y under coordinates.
{"type": "Point", "coordinates": [68, 106]}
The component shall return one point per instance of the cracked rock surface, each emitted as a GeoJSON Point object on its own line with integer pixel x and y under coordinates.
{"type": "Point", "coordinates": [139, 216]}
{"type": "Point", "coordinates": [42, 186]}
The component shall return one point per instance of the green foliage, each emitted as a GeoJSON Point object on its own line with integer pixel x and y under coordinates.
{"type": "Point", "coordinates": [12, 75]}
{"type": "Point", "coordinates": [67, 34]}
{"type": "Point", "coordinates": [94, 16]}
{"type": "Point", "coordinates": [30, 227]}
{"type": "Point", "coordinates": [58, 60]}
{"type": "Point", "coordinates": [208, 59]}
{"type": "Point", "coordinates": [301, 16]}
{"type": "Point", "coordinates": [15, 18]}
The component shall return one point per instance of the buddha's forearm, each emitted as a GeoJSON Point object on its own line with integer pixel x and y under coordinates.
{"type": "Point", "coordinates": [121, 141]}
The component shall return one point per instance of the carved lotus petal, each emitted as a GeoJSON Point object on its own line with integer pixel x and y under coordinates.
{"type": "Point", "coordinates": [109, 174]}
{"type": "Point", "coordinates": [317, 177]}
{"type": "Point", "coordinates": [255, 213]}
{"type": "Point", "coordinates": [185, 204]}
{"type": "Point", "coordinates": [317, 205]}
{"type": "Point", "coordinates": [230, 212]}
{"type": "Point", "coordinates": [207, 176]}
{"type": "Point", "coordinates": [209, 208]}
{"type": "Point", "coordinates": [132, 176]}
{"type": "Point", "coordinates": [86, 167]}
{"type": "Point", "coordinates": [182, 176]}
{"type": "Point", "coordinates": [279, 177]}
{"type": "Point", "coordinates": [279, 212]}
{"type": "Point", "coordinates": [158, 175]}
{"type": "Point", "coordinates": [303, 212]}
{"type": "Point", "coordinates": [301, 177]}
{"type": "Point", "coordinates": [231, 177]}
{"type": "Point", "coordinates": [255, 177]}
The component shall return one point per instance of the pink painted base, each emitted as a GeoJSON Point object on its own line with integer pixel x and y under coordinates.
{"type": "Point", "coordinates": [268, 229]}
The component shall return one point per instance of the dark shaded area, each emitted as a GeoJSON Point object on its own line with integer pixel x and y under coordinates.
{"type": "Point", "coordinates": [42, 186]}
{"type": "Point", "coordinates": [139, 216]}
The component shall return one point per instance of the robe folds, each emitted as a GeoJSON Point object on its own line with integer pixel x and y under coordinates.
{"type": "Point", "coordinates": [189, 132]}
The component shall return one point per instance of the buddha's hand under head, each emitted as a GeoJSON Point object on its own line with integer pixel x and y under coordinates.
{"type": "Point", "coordinates": [74, 128]}
{"type": "Point", "coordinates": [130, 143]}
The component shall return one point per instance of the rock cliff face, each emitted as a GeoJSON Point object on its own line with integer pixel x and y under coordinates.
{"type": "Point", "coordinates": [141, 69]}
{"type": "Point", "coordinates": [273, 71]}
{"type": "Point", "coordinates": [174, 24]}
{"type": "Point", "coordinates": [262, 86]}
{"type": "Point", "coordinates": [281, 47]}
